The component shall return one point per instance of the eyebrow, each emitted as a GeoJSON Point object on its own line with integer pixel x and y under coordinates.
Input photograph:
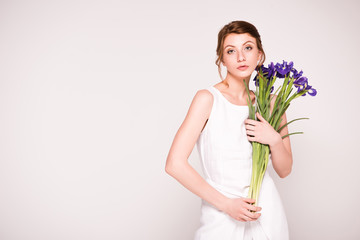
{"type": "Point", "coordinates": [234, 46]}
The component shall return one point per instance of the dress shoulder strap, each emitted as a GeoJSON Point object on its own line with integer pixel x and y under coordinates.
{"type": "Point", "coordinates": [210, 89]}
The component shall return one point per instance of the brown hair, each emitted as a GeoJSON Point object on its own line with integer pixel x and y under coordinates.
{"type": "Point", "coordinates": [237, 27]}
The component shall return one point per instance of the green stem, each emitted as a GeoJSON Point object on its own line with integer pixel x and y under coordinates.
{"type": "Point", "coordinates": [291, 134]}
{"type": "Point", "coordinates": [289, 123]}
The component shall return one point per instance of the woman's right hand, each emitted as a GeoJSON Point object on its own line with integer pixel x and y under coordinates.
{"type": "Point", "coordinates": [239, 209]}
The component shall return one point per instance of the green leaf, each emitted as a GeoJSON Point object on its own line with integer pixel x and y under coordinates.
{"type": "Point", "coordinates": [290, 122]}
{"type": "Point", "coordinates": [291, 134]}
{"type": "Point", "coordinates": [251, 107]}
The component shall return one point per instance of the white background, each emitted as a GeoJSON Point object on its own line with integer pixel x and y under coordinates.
{"type": "Point", "coordinates": [93, 92]}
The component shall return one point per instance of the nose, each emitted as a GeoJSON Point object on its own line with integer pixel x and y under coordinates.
{"type": "Point", "coordinates": [240, 56]}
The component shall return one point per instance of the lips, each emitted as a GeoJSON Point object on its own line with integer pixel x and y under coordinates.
{"type": "Point", "coordinates": [243, 67]}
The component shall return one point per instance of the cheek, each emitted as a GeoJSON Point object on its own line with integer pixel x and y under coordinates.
{"type": "Point", "coordinates": [252, 58]}
{"type": "Point", "coordinates": [229, 59]}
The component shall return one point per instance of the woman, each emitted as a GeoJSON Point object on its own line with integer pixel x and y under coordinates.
{"type": "Point", "coordinates": [217, 121]}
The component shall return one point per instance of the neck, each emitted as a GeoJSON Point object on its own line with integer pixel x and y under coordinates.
{"type": "Point", "coordinates": [236, 85]}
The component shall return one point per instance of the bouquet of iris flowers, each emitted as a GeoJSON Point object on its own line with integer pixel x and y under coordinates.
{"type": "Point", "coordinates": [264, 82]}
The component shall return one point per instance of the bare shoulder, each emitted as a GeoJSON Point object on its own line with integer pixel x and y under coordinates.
{"type": "Point", "coordinates": [204, 97]}
{"type": "Point", "coordinates": [191, 127]}
{"type": "Point", "coordinates": [202, 102]}
{"type": "Point", "coordinates": [199, 110]}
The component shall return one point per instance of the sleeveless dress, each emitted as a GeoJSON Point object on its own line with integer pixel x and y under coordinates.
{"type": "Point", "coordinates": [226, 161]}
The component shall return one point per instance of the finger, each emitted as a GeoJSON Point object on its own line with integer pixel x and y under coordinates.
{"type": "Point", "coordinates": [249, 127]}
{"type": "Point", "coordinates": [260, 117]}
{"type": "Point", "coordinates": [249, 200]}
{"type": "Point", "coordinates": [250, 206]}
{"type": "Point", "coordinates": [240, 219]}
{"type": "Point", "coordinates": [251, 138]}
{"type": "Point", "coordinates": [244, 218]}
{"type": "Point", "coordinates": [252, 215]}
{"type": "Point", "coordinates": [250, 122]}
{"type": "Point", "coordinates": [253, 208]}
{"type": "Point", "coordinates": [248, 218]}
{"type": "Point", "coordinates": [250, 132]}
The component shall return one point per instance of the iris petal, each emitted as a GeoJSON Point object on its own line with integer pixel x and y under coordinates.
{"type": "Point", "coordinates": [312, 92]}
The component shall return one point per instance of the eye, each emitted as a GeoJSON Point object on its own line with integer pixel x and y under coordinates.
{"type": "Point", "coordinates": [248, 48]}
{"type": "Point", "coordinates": [228, 52]}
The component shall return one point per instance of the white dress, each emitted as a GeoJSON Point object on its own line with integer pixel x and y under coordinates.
{"type": "Point", "coordinates": [226, 161]}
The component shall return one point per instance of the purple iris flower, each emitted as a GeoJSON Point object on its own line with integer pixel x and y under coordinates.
{"type": "Point", "coordinates": [269, 71]}
{"type": "Point", "coordinates": [308, 87]}
{"type": "Point", "coordinates": [302, 81]}
{"type": "Point", "coordinates": [311, 91]}
{"type": "Point", "coordinates": [304, 85]}
{"type": "Point", "coordinates": [256, 80]}
{"type": "Point", "coordinates": [296, 74]}
{"type": "Point", "coordinates": [283, 69]}
{"type": "Point", "coordinates": [301, 87]}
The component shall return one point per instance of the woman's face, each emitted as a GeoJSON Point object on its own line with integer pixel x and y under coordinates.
{"type": "Point", "coordinates": [240, 50]}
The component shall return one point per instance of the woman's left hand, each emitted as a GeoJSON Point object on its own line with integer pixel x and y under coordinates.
{"type": "Point", "coordinates": [261, 131]}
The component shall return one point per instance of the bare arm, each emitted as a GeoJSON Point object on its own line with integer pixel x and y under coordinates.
{"type": "Point", "coordinates": [178, 167]}
{"type": "Point", "coordinates": [263, 132]}
{"type": "Point", "coordinates": [177, 164]}
{"type": "Point", "coordinates": [281, 155]}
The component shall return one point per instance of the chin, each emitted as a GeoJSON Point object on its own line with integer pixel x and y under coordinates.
{"type": "Point", "coordinates": [243, 75]}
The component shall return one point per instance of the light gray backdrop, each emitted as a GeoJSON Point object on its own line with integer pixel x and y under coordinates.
{"type": "Point", "coordinates": [93, 92]}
